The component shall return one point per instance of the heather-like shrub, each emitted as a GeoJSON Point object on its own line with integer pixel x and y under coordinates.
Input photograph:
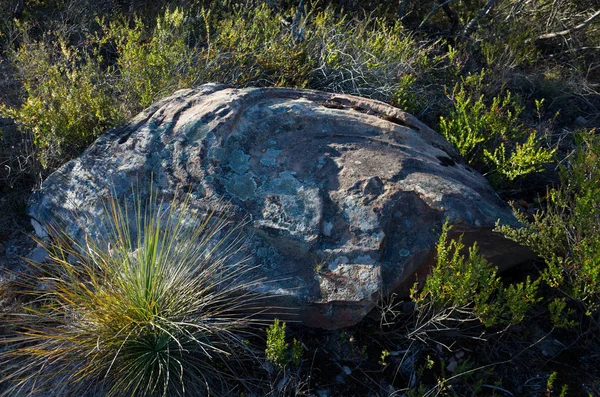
{"type": "Point", "coordinates": [470, 285]}
{"type": "Point", "coordinates": [152, 62]}
{"type": "Point", "coordinates": [491, 136]}
{"type": "Point", "coordinates": [278, 352]}
{"type": "Point", "coordinates": [370, 57]}
{"type": "Point", "coordinates": [68, 102]}
{"type": "Point", "coordinates": [256, 47]}
{"type": "Point", "coordinates": [566, 231]}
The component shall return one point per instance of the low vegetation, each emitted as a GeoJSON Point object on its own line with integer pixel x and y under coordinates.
{"type": "Point", "coordinates": [565, 233]}
{"type": "Point", "coordinates": [513, 85]}
{"type": "Point", "coordinates": [158, 307]}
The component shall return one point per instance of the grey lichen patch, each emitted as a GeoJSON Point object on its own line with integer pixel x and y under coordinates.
{"type": "Point", "coordinates": [238, 161]}
{"type": "Point", "coordinates": [270, 157]}
{"type": "Point", "coordinates": [216, 153]}
{"type": "Point", "coordinates": [279, 211]}
{"type": "Point", "coordinates": [241, 186]}
{"type": "Point", "coordinates": [360, 215]}
{"type": "Point", "coordinates": [350, 282]}
{"type": "Point", "coordinates": [300, 215]}
{"type": "Point", "coordinates": [285, 184]}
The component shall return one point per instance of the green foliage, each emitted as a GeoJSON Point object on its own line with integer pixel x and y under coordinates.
{"type": "Point", "coordinates": [68, 102]}
{"type": "Point", "coordinates": [471, 282]}
{"type": "Point", "coordinates": [491, 137]}
{"type": "Point", "coordinates": [559, 314]}
{"type": "Point", "coordinates": [255, 47]}
{"type": "Point", "coordinates": [566, 232]}
{"type": "Point", "coordinates": [296, 352]}
{"type": "Point", "coordinates": [404, 97]}
{"type": "Point", "coordinates": [151, 62]}
{"type": "Point", "coordinates": [508, 46]}
{"type": "Point", "coordinates": [149, 307]}
{"type": "Point", "coordinates": [369, 57]}
{"type": "Point", "coordinates": [550, 382]}
{"type": "Point", "coordinates": [278, 351]}
{"type": "Point", "coordinates": [526, 158]}
{"type": "Point", "coordinates": [550, 386]}
{"type": "Point", "coordinates": [383, 357]}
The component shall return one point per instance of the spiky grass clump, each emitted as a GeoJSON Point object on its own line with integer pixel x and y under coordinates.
{"type": "Point", "coordinates": [155, 307]}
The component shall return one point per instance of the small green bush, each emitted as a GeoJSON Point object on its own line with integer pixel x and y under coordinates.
{"type": "Point", "coordinates": [566, 232]}
{"type": "Point", "coordinates": [491, 137]}
{"type": "Point", "coordinates": [255, 47]}
{"type": "Point", "coordinates": [471, 283]}
{"type": "Point", "coordinates": [278, 351]}
{"type": "Point", "coordinates": [152, 62]}
{"type": "Point", "coordinates": [68, 102]}
{"type": "Point", "coordinates": [156, 307]}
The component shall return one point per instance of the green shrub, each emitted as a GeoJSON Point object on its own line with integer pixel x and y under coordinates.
{"type": "Point", "coordinates": [278, 351]}
{"type": "Point", "coordinates": [152, 61]}
{"type": "Point", "coordinates": [404, 97]}
{"type": "Point", "coordinates": [256, 47]}
{"type": "Point", "coordinates": [470, 283]}
{"type": "Point", "coordinates": [68, 102]}
{"type": "Point", "coordinates": [156, 307]}
{"type": "Point", "coordinates": [508, 46]}
{"type": "Point", "coordinates": [368, 57]}
{"type": "Point", "coordinates": [491, 137]}
{"type": "Point", "coordinates": [566, 232]}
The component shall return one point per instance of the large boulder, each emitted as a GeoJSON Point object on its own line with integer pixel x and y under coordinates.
{"type": "Point", "coordinates": [345, 196]}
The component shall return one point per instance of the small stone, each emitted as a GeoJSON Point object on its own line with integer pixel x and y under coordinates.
{"type": "Point", "coordinates": [580, 120]}
{"type": "Point", "coordinates": [40, 231]}
{"type": "Point", "coordinates": [38, 254]}
{"type": "Point", "coordinates": [451, 367]}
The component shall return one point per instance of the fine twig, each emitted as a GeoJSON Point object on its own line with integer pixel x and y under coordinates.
{"type": "Point", "coordinates": [498, 388]}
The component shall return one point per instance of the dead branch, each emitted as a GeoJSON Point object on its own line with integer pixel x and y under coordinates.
{"type": "Point", "coordinates": [470, 28]}
{"type": "Point", "coordinates": [434, 11]}
{"type": "Point", "coordinates": [574, 29]}
{"type": "Point", "coordinates": [401, 9]}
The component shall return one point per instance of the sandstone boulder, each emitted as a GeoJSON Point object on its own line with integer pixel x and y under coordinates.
{"type": "Point", "coordinates": [345, 196]}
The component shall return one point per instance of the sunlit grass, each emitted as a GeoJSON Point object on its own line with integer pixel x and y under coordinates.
{"type": "Point", "coordinates": [157, 306]}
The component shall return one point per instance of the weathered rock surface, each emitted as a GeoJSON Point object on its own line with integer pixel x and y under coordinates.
{"type": "Point", "coordinates": [346, 196]}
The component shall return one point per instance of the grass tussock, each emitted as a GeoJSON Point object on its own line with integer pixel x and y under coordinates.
{"type": "Point", "coordinates": [157, 307]}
